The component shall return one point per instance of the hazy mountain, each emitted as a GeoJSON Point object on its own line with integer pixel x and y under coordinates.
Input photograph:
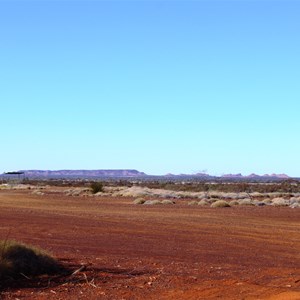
{"type": "Point", "coordinates": [239, 175]}
{"type": "Point", "coordinates": [253, 175]}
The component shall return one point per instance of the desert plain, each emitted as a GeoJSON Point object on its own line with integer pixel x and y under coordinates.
{"type": "Point", "coordinates": [118, 250]}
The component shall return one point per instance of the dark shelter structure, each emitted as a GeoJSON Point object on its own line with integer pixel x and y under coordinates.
{"type": "Point", "coordinates": [13, 177]}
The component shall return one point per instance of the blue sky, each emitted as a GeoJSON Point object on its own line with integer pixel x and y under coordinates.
{"type": "Point", "coordinates": [158, 86]}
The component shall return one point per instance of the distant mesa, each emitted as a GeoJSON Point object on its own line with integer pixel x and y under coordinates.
{"type": "Point", "coordinates": [188, 175]}
{"type": "Point", "coordinates": [82, 173]}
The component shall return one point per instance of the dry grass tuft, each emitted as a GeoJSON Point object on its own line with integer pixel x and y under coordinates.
{"type": "Point", "coordinates": [212, 200]}
{"type": "Point", "coordinates": [167, 202]}
{"type": "Point", "coordinates": [257, 195]}
{"type": "Point", "coordinates": [233, 202]}
{"type": "Point", "coordinates": [295, 200]}
{"type": "Point", "coordinates": [38, 192]}
{"type": "Point", "coordinates": [220, 203]}
{"type": "Point", "coordinates": [246, 202]}
{"type": "Point", "coordinates": [75, 192]}
{"type": "Point", "coordinates": [139, 201]}
{"type": "Point", "coordinates": [3, 186]}
{"type": "Point", "coordinates": [267, 201]}
{"type": "Point", "coordinates": [152, 202]}
{"type": "Point", "coordinates": [203, 202]}
{"type": "Point", "coordinates": [280, 202]}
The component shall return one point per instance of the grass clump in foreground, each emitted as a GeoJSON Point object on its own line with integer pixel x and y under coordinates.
{"type": "Point", "coordinates": [20, 260]}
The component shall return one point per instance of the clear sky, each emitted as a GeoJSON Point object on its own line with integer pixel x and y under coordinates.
{"type": "Point", "coordinates": [158, 86]}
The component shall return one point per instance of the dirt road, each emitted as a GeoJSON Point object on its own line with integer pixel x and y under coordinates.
{"type": "Point", "coordinates": [155, 252]}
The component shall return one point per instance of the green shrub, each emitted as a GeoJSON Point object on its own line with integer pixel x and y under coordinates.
{"type": "Point", "coordinates": [96, 187]}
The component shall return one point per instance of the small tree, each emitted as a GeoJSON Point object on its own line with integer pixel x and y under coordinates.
{"type": "Point", "coordinates": [96, 187]}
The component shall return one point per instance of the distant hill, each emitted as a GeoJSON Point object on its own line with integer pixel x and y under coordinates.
{"type": "Point", "coordinates": [239, 175]}
{"type": "Point", "coordinates": [81, 173]}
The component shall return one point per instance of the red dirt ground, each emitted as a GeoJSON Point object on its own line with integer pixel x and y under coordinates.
{"type": "Point", "coordinates": [154, 252]}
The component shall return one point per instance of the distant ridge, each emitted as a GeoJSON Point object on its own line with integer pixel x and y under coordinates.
{"type": "Point", "coordinates": [132, 173]}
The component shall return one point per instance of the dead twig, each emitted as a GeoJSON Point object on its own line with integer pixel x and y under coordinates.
{"type": "Point", "coordinates": [24, 276]}
{"type": "Point", "coordinates": [91, 283]}
{"type": "Point", "coordinates": [82, 268]}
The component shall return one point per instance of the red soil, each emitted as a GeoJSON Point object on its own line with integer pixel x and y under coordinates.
{"type": "Point", "coordinates": [154, 252]}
